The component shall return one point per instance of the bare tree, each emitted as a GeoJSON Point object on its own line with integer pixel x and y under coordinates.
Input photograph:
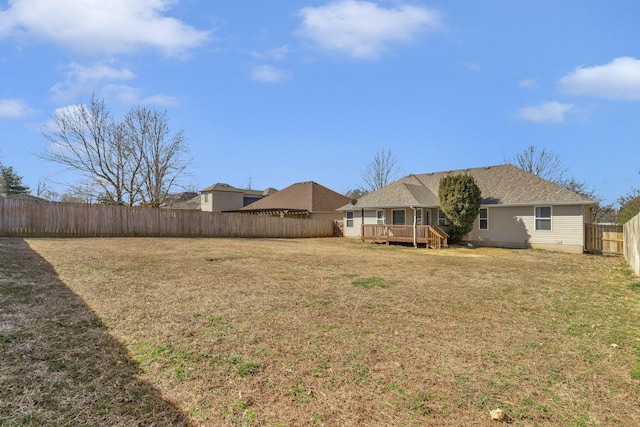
{"type": "Point", "coordinates": [87, 140]}
{"type": "Point", "coordinates": [45, 191]}
{"type": "Point", "coordinates": [129, 162]}
{"type": "Point", "coordinates": [543, 163]}
{"type": "Point", "coordinates": [157, 152]}
{"type": "Point", "coordinates": [381, 171]}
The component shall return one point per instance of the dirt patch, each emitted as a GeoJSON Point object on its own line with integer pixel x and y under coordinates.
{"type": "Point", "coordinates": [328, 332]}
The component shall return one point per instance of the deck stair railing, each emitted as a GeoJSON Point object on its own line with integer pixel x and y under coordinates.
{"type": "Point", "coordinates": [431, 236]}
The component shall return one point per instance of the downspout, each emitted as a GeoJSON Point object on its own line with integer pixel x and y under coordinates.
{"type": "Point", "coordinates": [415, 225]}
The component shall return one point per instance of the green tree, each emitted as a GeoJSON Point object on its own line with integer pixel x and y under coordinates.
{"type": "Point", "coordinates": [11, 183]}
{"type": "Point", "coordinates": [629, 206]}
{"type": "Point", "coordinates": [460, 202]}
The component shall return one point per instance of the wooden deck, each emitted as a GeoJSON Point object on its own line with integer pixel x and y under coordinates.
{"type": "Point", "coordinates": [431, 236]}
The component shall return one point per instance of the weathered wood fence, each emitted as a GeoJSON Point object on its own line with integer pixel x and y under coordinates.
{"type": "Point", "coordinates": [632, 243]}
{"type": "Point", "coordinates": [604, 239]}
{"type": "Point", "coordinates": [19, 218]}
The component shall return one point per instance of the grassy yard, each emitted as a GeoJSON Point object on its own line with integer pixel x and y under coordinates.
{"type": "Point", "coordinates": [326, 332]}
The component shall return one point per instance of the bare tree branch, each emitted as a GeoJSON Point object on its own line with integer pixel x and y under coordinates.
{"type": "Point", "coordinates": [130, 162]}
{"type": "Point", "coordinates": [542, 163]}
{"type": "Point", "coordinates": [381, 171]}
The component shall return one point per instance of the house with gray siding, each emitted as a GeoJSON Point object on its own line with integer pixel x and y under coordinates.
{"type": "Point", "coordinates": [518, 210]}
{"type": "Point", "coordinates": [224, 197]}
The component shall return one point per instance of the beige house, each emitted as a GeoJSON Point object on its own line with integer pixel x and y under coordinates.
{"type": "Point", "coordinates": [224, 197]}
{"type": "Point", "coordinates": [518, 210]}
{"type": "Point", "coordinates": [300, 200]}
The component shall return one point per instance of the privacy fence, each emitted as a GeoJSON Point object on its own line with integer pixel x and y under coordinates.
{"type": "Point", "coordinates": [604, 239]}
{"type": "Point", "coordinates": [19, 218]}
{"type": "Point", "coordinates": [632, 243]}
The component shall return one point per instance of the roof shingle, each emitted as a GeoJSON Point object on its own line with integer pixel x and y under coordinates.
{"type": "Point", "coordinates": [504, 185]}
{"type": "Point", "coordinates": [309, 196]}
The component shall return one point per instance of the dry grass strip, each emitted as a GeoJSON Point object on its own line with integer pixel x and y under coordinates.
{"type": "Point", "coordinates": [313, 332]}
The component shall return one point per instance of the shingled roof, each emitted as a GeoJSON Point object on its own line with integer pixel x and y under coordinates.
{"type": "Point", "coordinates": [502, 185]}
{"type": "Point", "coordinates": [223, 187]}
{"type": "Point", "coordinates": [309, 196]}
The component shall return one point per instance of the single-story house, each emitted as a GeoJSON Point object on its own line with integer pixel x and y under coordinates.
{"type": "Point", "coordinates": [300, 200]}
{"type": "Point", "coordinates": [518, 210]}
{"type": "Point", "coordinates": [224, 197]}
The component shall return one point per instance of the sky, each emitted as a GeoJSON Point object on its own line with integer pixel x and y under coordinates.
{"type": "Point", "coordinates": [270, 93]}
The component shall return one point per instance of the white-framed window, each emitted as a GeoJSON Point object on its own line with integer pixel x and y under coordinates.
{"type": "Point", "coordinates": [206, 197]}
{"type": "Point", "coordinates": [442, 218]}
{"type": "Point", "coordinates": [349, 219]}
{"type": "Point", "coordinates": [398, 217]}
{"type": "Point", "coordinates": [380, 217]}
{"type": "Point", "coordinates": [543, 217]}
{"type": "Point", "coordinates": [483, 221]}
{"type": "Point", "coordinates": [418, 216]}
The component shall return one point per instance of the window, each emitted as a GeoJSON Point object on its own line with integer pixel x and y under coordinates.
{"type": "Point", "coordinates": [442, 218]}
{"type": "Point", "coordinates": [543, 218]}
{"type": "Point", "coordinates": [398, 217]}
{"type": "Point", "coordinates": [206, 197]}
{"type": "Point", "coordinates": [380, 217]}
{"type": "Point", "coordinates": [419, 217]}
{"type": "Point", "coordinates": [483, 222]}
{"type": "Point", "coordinates": [349, 218]}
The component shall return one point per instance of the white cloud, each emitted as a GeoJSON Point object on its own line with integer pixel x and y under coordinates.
{"type": "Point", "coordinates": [14, 109]}
{"type": "Point", "coordinates": [276, 54]}
{"type": "Point", "coordinates": [620, 79]}
{"type": "Point", "coordinates": [101, 27]}
{"type": "Point", "coordinates": [106, 81]}
{"type": "Point", "coordinates": [129, 95]}
{"type": "Point", "coordinates": [549, 112]}
{"type": "Point", "coordinates": [269, 74]}
{"type": "Point", "coordinates": [81, 80]}
{"type": "Point", "coordinates": [528, 83]}
{"type": "Point", "coordinates": [362, 29]}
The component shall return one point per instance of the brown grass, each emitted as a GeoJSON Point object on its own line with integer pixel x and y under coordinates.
{"type": "Point", "coordinates": [313, 332]}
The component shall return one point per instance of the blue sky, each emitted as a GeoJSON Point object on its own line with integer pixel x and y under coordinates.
{"type": "Point", "coordinates": [270, 93]}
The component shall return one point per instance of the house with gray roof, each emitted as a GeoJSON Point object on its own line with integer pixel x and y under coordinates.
{"type": "Point", "coordinates": [518, 210]}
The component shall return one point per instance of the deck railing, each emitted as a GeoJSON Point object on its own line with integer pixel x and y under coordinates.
{"type": "Point", "coordinates": [432, 237]}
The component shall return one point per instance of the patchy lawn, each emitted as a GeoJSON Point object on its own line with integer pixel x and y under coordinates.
{"type": "Point", "coordinates": [313, 332]}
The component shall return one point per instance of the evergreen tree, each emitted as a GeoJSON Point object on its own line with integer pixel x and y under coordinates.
{"type": "Point", "coordinates": [11, 182]}
{"type": "Point", "coordinates": [460, 202]}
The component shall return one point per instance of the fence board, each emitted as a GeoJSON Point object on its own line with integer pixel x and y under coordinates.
{"type": "Point", "coordinates": [604, 239]}
{"type": "Point", "coordinates": [19, 218]}
{"type": "Point", "coordinates": [632, 243]}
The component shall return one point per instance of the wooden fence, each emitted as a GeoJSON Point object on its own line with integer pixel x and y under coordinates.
{"type": "Point", "coordinates": [604, 239]}
{"type": "Point", "coordinates": [19, 218]}
{"type": "Point", "coordinates": [632, 243]}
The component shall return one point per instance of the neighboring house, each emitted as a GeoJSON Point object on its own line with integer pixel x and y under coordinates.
{"type": "Point", "coordinates": [518, 210]}
{"type": "Point", "coordinates": [26, 198]}
{"type": "Point", "coordinates": [301, 200]}
{"type": "Point", "coordinates": [223, 197]}
{"type": "Point", "coordinates": [187, 200]}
